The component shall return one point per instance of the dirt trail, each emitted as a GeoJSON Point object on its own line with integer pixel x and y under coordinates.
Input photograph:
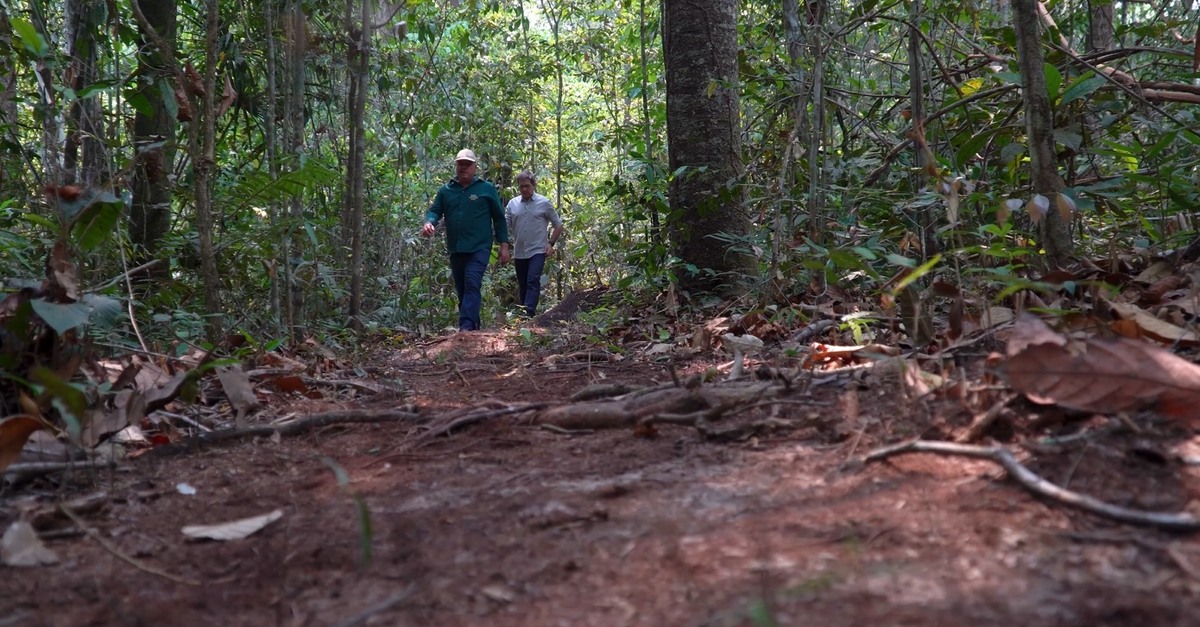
{"type": "Point", "coordinates": [507, 524]}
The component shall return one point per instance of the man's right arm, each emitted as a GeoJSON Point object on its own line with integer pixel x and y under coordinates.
{"type": "Point", "coordinates": [433, 215]}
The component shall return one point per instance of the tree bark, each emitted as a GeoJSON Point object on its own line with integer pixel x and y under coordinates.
{"type": "Point", "coordinates": [83, 156]}
{"type": "Point", "coordinates": [297, 45]}
{"type": "Point", "coordinates": [153, 139]}
{"type": "Point", "coordinates": [1100, 25]}
{"type": "Point", "coordinates": [204, 159]}
{"type": "Point", "coordinates": [704, 140]}
{"type": "Point", "coordinates": [359, 64]}
{"type": "Point", "coordinates": [1055, 233]}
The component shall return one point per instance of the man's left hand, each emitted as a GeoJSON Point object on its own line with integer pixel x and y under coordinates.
{"type": "Point", "coordinates": [504, 256]}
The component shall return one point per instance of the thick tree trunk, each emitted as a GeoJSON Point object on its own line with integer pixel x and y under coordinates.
{"type": "Point", "coordinates": [1039, 124]}
{"type": "Point", "coordinates": [704, 139]}
{"type": "Point", "coordinates": [153, 139]}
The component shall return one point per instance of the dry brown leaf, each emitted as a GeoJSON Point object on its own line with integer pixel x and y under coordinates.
{"type": "Point", "coordinates": [238, 390]}
{"type": "Point", "coordinates": [1100, 375]}
{"type": "Point", "coordinates": [1152, 326]}
{"type": "Point", "coordinates": [14, 430]}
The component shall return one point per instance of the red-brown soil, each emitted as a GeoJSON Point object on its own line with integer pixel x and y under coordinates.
{"type": "Point", "coordinates": [503, 523]}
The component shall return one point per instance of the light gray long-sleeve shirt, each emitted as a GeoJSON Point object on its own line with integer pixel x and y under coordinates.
{"type": "Point", "coordinates": [528, 224]}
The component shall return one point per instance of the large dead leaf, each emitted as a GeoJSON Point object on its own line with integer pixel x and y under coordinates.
{"type": "Point", "coordinates": [1100, 375]}
{"type": "Point", "coordinates": [14, 430]}
{"type": "Point", "coordinates": [21, 546]}
{"type": "Point", "coordinates": [1153, 327]}
{"type": "Point", "coordinates": [233, 530]}
{"type": "Point", "coordinates": [238, 390]}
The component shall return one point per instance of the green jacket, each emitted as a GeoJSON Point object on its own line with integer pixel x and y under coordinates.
{"type": "Point", "coordinates": [473, 215]}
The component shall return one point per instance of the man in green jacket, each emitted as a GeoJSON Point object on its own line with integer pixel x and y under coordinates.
{"type": "Point", "coordinates": [474, 217]}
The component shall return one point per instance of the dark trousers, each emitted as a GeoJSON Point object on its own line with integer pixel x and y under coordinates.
{"type": "Point", "coordinates": [468, 269]}
{"type": "Point", "coordinates": [529, 281]}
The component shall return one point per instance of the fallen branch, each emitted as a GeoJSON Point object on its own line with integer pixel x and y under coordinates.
{"type": "Point", "coordinates": [473, 416]}
{"type": "Point", "coordinates": [308, 423]}
{"type": "Point", "coordinates": [1039, 486]}
{"type": "Point", "coordinates": [19, 472]}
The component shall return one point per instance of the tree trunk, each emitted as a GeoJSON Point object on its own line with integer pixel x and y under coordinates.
{"type": "Point", "coordinates": [704, 139]}
{"type": "Point", "coordinates": [297, 44]}
{"type": "Point", "coordinates": [1039, 125]}
{"type": "Point", "coordinates": [204, 159]}
{"type": "Point", "coordinates": [83, 156]}
{"type": "Point", "coordinates": [272, 153]}
{"type": "Point", "coordinates": [153, 139]}
{"type": "Point", "coordinates": [927, 218]}
{"type": "Point", "coordinates": [8, 101]}
{"type": "Point", "coordinates": [1100, 25]}
{"type": "Point", "coordinates": [359, 64]}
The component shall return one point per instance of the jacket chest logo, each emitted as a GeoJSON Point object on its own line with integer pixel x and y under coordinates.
{"type": "Point", "coordinates": [473, 197]}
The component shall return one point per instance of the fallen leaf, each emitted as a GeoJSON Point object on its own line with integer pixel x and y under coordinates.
{"type": "Point", "coordinates": [1152, 326]}
{"type": "Point", "coordinates": [238, 390]}
{"type": "Point", "coordinates": [21, 546]}
{"type": "Point", "coordinates": [232, 530]}
{"type": "Point", "coordinates": [1100, 375]}
{"type": "Point", "coordinates": [14, 431]}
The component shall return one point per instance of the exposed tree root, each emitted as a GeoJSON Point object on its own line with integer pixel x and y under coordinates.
{"type": "Point", "coordinates": [1039, 486]}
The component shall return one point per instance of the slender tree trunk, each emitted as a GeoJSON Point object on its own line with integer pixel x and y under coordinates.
{"type": "Point", "coordinates": [8, 98]}
{"type": "Point", "coordinates": [153, 139]}
{"type": "Point", "coordinates": [272, 151]}
{"type": "Point", "coordinates": [647, 123]}
{"type": "Point", "coordinates": [83, 157]}
{"type": "Point", "coordinates": [204, 158]}
{"type": "Point", "coordinates": [359, 64]}
{"type": "Point", "coordinates": [1039, 124]}
{"type": "Point", "coordinates": [927, 221]}
{"type": "Point", "coordinates": [816, 10]}
{"type": "Point", "coordinates": [1100, 25]}
{"type": "Point", "coordinates": [704, 139]}
{"type": "Point", "coordinates": [297, 45]}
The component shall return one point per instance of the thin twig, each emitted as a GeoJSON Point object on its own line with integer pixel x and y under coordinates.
{"type": "Point", "coordinates": [292, 428]}
{"type": "Point", "coordinates": [35, 469]}
{"type": "Point", "coordinates": [1039, 486]}
{"type": "Point", "coordinates": [380, 607]}
{"type": "Point", "coordinates": [111, 548]}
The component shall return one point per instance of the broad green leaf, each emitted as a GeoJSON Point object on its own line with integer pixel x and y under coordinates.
{"type": "Point", "coordinates": [33, 40]}
{"type": "Point", "coordinates": [1068, 138]}
{"type": "Point", "coordinates": [1053, 80]}
{"type": "Point", "coordinates": [98, 221]}
{"type": "Point", "coordinates": [71, 398]}
{"type": "Point", "coordinates": [167, 93]}
{"type": "Point", "coordinates": [971, 147]}
{"type": "Point", "coordinates": [61, 317]}
{"type": "Point", "coordinates": [1081, 88]}
{"type": "Point", "coordinates": [104, 310]}
{"type": "Point", "coordinates": [96, 87]}
{"type": "Point", "coordinates": [139, 102]}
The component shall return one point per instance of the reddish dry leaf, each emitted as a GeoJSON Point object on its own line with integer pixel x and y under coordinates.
{"type": "Point", "coordinates": [1100, 375]}
{"type": "Point", "coordinates": [14, 430]}
{"type": "Point", "coordinates": [290, 383]}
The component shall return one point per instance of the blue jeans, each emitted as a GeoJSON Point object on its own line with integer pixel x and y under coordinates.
{"type": "Point", "coordinates": [529, 281]}
{"type": "Point", "coordinates": [467, 270]}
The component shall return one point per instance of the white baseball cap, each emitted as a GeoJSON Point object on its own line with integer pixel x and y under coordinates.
{"type": "Point", "coordinates": [466, 154]}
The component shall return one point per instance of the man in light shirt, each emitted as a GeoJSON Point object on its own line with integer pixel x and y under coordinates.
{"type": "Point", "coordinates": [529, 217]}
